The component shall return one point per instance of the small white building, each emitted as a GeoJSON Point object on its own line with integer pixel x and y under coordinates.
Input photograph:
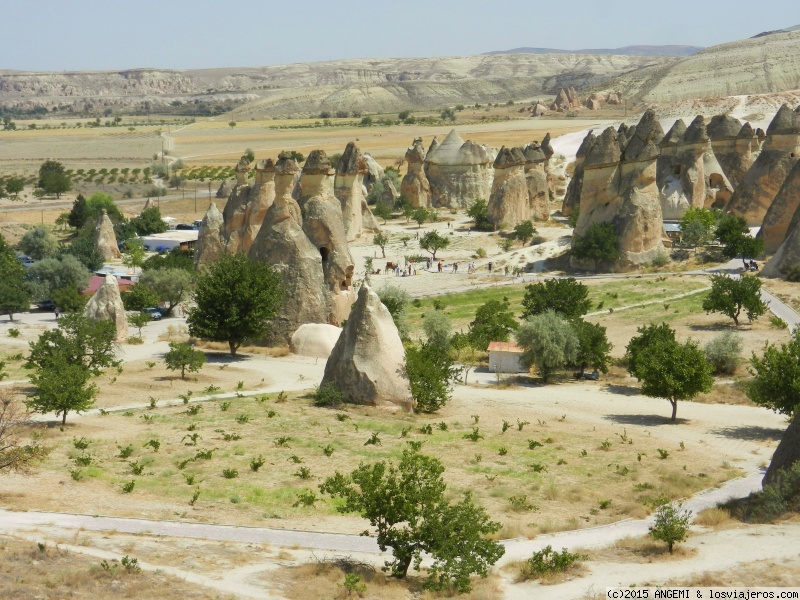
{"type": "Point", "coordinates": [177, 238]}
{"type": "Point", "coordinates": [505, 357]}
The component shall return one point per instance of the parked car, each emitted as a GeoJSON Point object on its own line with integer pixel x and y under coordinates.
{"type": "Point", "coordinates": [184, 227]}
{"type": "Point", "coordinates": [154, 312]}
{"type": "Point", "coordinates": [46, 305]}
{"type": "Point", "coordinates": [197, 224]}
{"type": "Point", "coordinates": [590, 375]}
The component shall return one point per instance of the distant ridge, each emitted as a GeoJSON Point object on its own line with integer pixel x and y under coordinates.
{"type": "Point", "coordinates": [624, 51]}
{"type": "Point", "coordinates": [763, 33]}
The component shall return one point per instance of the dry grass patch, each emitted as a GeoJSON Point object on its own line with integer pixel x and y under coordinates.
{"type": "Point", "coordinates": [47, 573]}
{"type": "Point", "coordinates": [772, 573]}
{"type": "Point", "coordinates": [714, 518]}
{"type": "Point", "coordinates": [641, 550]}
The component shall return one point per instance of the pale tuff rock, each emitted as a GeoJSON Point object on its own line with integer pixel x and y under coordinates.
{"type": "Point", "coordinates": [780, 213]}
{"type": "Point", "coordinates": [508, 202]}
{"type": "Point", "coordinates": [247, 207]}
{"type": "Point", "coordinates": [348, 186]}
{"type": "Point", "coordinates": [374, 171]}
{"type": "Point", "coordinates": [623, 191]}
{"type": "Point", "coordinates": [458, 172]}
{"type": "Point", "coordinates": [315, 340]}
{"type": "Point", "coordinates": [537, 180]}
{"type": "Point", "coordinates": [106, 305]}
{"type": "Point", "coordinates": [390, 193]}
{"type": "Point", "coordinates": [224, 190]}
{"type": "Point", "coordinates": [702, 177]}
{"type": "Point", "coordinates": [242, 171]}
{"type": "Point", "coordinates": [779, 153]}
{"type": "Point", "coordinates": [566, 100]}
{"type": "Point", "coordinates": [149, 204]}
{"type": "Point", "coordinates": [415, 184]}
{"type": "Point", "coordinates": [538, 109]}
{"type": "Point", "coordinates": [572, 199]}
{"type": "Point", "coordinates": [211, 237]}
{"type": "Point", "coordinates": [734, 146]}
{"type": "Point", "coordinates": [367, 364]}
{"type": "Point", "coordinates": [368, 220]}
{"type": "Point", "coordinates": [104, 239]}
{"type": "Point", "coordinates": [786, 454]}
{"type": "Point", "coordinates": [668, 173]}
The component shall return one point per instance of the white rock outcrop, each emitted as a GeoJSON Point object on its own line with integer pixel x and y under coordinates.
{"type": "Point", "coordinates": [106, 305]}
{"type": "Point", "coordinates": [316, 340]}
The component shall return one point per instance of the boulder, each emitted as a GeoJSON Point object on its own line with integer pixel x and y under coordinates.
{"type": "Point", "coordinates": [415, 184]}
{"type": "Point", "coordinates": [761, 183]}
{"type": "Point", "coordinates": [572, 199]}
{"type": "Point", "coordinates": [458, 172]}
{"type": "Point", "coordinates": [224, 190]}
{"type": "Point", "coordinates": [348, 186]}
{"type": "Point", "coordinates": [786, 454]}
{"type": "Point", "coordinates": [508, 201]}
{"type": "Point", "coordinates": [780, 213]}
{"type": "Point", "coordinates": [315, 340]}
{"type": "Point", "coordinates": [390, 194]}
{"type": "Point", "coordinates": [106, 305]}
{"type": "Point", "coordinates": [211, 237]}
{"type": "Point", "coordinates": [538, 109]}
{"type": "Point", "coordinates": [105, 241]}
{"type": "Point", "coordinates": [367, 364]}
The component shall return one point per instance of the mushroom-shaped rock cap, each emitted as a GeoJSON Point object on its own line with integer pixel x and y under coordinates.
{"type": "Point", "coordinates": [746, 131]}
{"type": "Point", "coordinates": [696, 132]}
{"type": "Point", "coordinates": [286, 164]}
{"type": "Point", "coordinates": [243, 166]}
{"type": "Point", "coordinates": [722, 127]}
{"type": "Point", "coordinates": [643, 142]}
{"type": "Point", "coordinates": [416, 153]}
{"type": "Point", "coordinates": [675, 134]}
{"type": "Point", "coordinates": [455, 151]}
{"type": "Point", "coordinates": [533, 153]}
{"type": "Point", "coordinates": [587, 143]}
{"type": "Point", "coordinates": [546, 147]}
{"type": "Point", "coordinates": [605, 150]}
{"type": "Point", "coordinates": [265, 165]}
{"type": "Point", "coordinates": [317, 163]}
{"type": "Point", "coordinates": [786, 121]}
{"type": "Point", "coordinates": [352, 160]}
{"type": "Point", "coordinates": [509, 157]}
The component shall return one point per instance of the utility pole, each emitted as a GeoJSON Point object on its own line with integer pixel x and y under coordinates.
{"type": "Point", "coordinates": [195, 200]}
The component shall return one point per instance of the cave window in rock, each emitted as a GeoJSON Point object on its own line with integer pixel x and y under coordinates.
{"type": "Point", "coordinates": [715, 180]}
{"type": "Point", "coordinates": [676, 170]}
{"type": "Point", "coordinates": [324, 252]}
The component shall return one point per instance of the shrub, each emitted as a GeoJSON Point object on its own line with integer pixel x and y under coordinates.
{"type": "Point", "coordinates": [661, 260]}
{"type": "Point", "coordinates": [599, 242]}
{"type": "Point", "coordinates": [724, 352]}
{"type": "Point", "coordinates": [547, 561]}
{"type": "Point", "coordinates": [671, 525]}
{"type": "Point", "coordinates": [777, 322]}
{"type": "Point", "coordinates": [328, 396]}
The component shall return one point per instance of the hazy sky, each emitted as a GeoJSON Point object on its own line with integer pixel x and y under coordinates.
{"type": "Point", "coordinates": [50, 35]}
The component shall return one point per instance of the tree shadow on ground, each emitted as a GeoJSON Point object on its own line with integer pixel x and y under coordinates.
{"type": "Point", "coordinates": [720, 327]}
{"type": "Point", "coordinates": [753, 433]}
{"type": "Point", "coordinates": [225, 357]}
{"type": "Point", "coordinates": [644, 420]}
{"type": "Point", "coordinates": [622, 390]}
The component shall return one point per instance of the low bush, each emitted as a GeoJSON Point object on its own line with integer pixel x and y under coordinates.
{"type": "Point", "coordinates": [547, 561]}
{"type": "Point", "coordinates": [328, 396]}
{"type": "Point", "coordinates": [724, 352]}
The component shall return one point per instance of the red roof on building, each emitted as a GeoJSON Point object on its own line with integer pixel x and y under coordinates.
{"type": "Point", "coordinates": [97, 280]}
{"type": "Point", "coordinates": [504, 347]}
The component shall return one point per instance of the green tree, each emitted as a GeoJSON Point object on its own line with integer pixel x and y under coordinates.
{"type": "Point", "coordinates": [479, 213]}
{"type": "Point", "coordinates": [15, 455]}
{"type": "Point", "coordinates": [381, 240]}
{"type": "Point", "coordinates": [404, 115]}
{"type": "Point", "coordinates": [65, 359]}
{"type": "Point", "coordinates": [82, 247]}
{"type": "Point", "coordinates": [382, 211]}
{"type": "Point", "coordinates": [730, 296]}
{"type": "Point", "coordinates": [174, 259]}
{"type": "Point", "coordinates": [432, 242]}
{"type": "Point", "coordinates": [171, 286]}
{"type": "Point", "coordinates": [53, 178]}
{"type": "Point", "coordinates": [408, 508]}
{"type": "Point", "coordinates": [148, 222]}
{"type": "Point", "coordinates": [697, 226]}
{"type": "Point", "coordinates": [420, 215]}
{"type": "Point", "coordinates": [69, 299]}
{"type": "Point", "coordinates": [182, 356]}
{"type": "Point", "coordinates": [724, 352]}
{"type": "Point", "coordinates": [87, 211]}
{"type": "Point", "coordinates": [14, 296]}
{"type": "Point", "coordinates": [140, 297]}
{"type": "Point", "coordinates": [249, 155]}
{"type": "Point", "coordinates": [734, 235]}
{"type": "Point", "coordinates": [375, 194]}
{"type": "Point", "coordinates": [493, 322]}
{"type": "Point", "coordinates": [671, 370]}
{"type": "Point", "coordinates": [14, 185]}
{"type": "Point", "coordinates": [594, 349]}
{"type": "Point", "coordinates": [568, 297]}
{"type": "Point", "coordinates": [549, 342]}
{"type": "Point", "coordinates": [39, 243]}
{"type": "Point", "coordinates": [638, 345]}
{"type": "Point", "coordinates": [134, 254]}
{"type": "Point", "coordinates": [465, 354]}
{"type": "Point", "coordinates": [236, 297]}
{"type": "Point", "coordinates": [396, 302]}
{"type": "Point", "coordinates": [599, 243]}
{"type": "Point", "coordinates": [50, 274]}
{"type": "Point", "coordinates": [139, 320]}
{"type": "Point", "coordinates": [525, 231]}
{"type": "Point", "coordinates": [776, 377]}
{"type": "Point", "coordinates": [671, 524]}
{"type": "Point", "coordinates": [438, 329]}
{"type": "Point", "coordinates": [430, 372]}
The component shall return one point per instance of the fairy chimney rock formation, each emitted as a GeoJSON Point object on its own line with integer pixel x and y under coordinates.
{"type": "Point", "coordinates": [508, 201]}
{"type": "Point", "coordinates": [367, 363]}
{"type": "Point", "coordinates": [348, 186]}
{"type": "Point", "coordinates": [415, 184]}
{"type": "Point", "coordinates": [763, 180]}
{"type": "Point", "coordinates": [572, 199]}
{"type": "Point", "coordinates": [620, 188]}
{"type": "Point", "coordinates": [734, 158]}
{"type": "Point", "coordinates": [786, 454]}
{"type": "Point", "coordinates": [211, 237]}
{"type": "Point", "coordinates": [106, 305]}
{"type": "Point", "coordinates": [458, 172]}
{"type": "Point", "coordinates": [149, 204]}
{"type": "Point", "coordinates": [537, 182]}
{"type": "Point", "coordinates": [104, 239]}
{"type": "Point", "coordinates": [242, 170]}
{"type": "Point", "coordinates": [780, 213]}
